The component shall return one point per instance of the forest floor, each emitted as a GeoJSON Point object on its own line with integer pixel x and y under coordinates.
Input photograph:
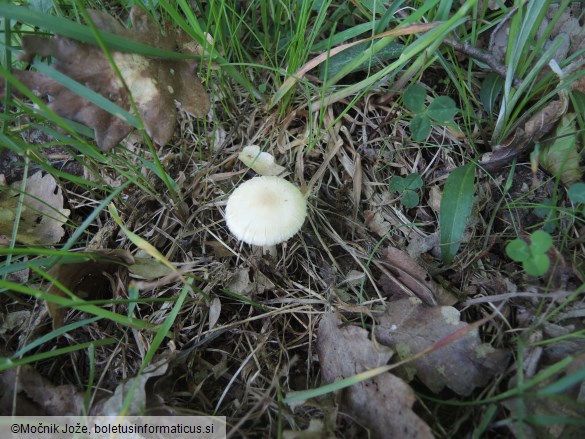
{"type": "Point", "coordinates": [436, 287]}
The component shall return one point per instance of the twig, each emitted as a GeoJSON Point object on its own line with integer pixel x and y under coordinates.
{"type": "Point", "coordinates": [483, 56]}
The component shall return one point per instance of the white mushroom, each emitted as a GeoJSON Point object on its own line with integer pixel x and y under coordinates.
{"type": "Point", "coordinates": [266, 211]}
{"type": "Point", "coordinates": [261, 162]}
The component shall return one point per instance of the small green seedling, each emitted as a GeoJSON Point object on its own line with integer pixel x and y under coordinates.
{"type": "Point", "coordinates": [439, 112]}
{"type": "Point", "coordinates": [577, 195]}
{"type": "Point", "coordinates": [408, 187]}
{"type": "Point", "coordinates": [546, 211]}
{"type": "Point", "coordinates": [533, 257]}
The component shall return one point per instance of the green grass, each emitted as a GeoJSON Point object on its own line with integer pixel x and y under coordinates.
{"type": "Point", "coordinates": [339, 122]}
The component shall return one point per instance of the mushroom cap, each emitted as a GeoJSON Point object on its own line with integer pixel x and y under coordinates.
{"type": "Point", "coordinates": [265, 211]}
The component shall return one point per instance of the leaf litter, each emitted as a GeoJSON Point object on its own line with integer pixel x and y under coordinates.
{"type": "Point", "coordinates": [410, 327]}
{"type": "Point", "coordinates": [382, 403]}
{"type": "Point", "coordinates": [42, 215]}
{"type": "Point", "coordinates": [155, 84]}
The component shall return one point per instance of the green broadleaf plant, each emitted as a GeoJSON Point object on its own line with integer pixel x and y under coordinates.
{"type": "Point", "coordinates": [534, 259]}
{"type": "Point", "coordinates": [440, 111]}
{"type": "Point", "coordinates": [456, 206]}
{"type": "Point", "coordinates": [577, 193]}
{"type": "Point", "coordinates": [408, 187]}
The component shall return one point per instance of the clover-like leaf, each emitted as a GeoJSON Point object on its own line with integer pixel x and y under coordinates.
{"type": "Point", "coordinates": [409, 199]}
{"type": "Point", "coordinates": [577, 193]}
{"type": "Point", "coordinates": [397, 184]}
{"type": "Point", "coordinates": [518, 250]}
{"type": "Point", "coordinates": [540, 242]}
{"type": "Point", "coordinates": [420, 127]}
{"type": "Point", "coordinates": [414, 98]}
{"type": "Point", "coordinates": [413, 182]}
{"type": "Point", "coordinates": [442, 109]}
{"type": "Point", "coordinates": [536, 265]}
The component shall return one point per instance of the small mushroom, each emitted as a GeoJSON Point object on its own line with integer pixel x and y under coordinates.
{"type": "Point", "coordinates": [261, 162]}
{"type": "Point", "coordinates": [266, 211]}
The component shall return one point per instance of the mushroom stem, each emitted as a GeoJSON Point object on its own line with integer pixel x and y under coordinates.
{"type": "Point", "coordinates": [263, 250]}
{"type": "Point", "coordinates": [270, 249]}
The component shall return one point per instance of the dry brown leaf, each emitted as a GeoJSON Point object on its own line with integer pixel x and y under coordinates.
{"type": "Point", "coordinates": [534, 129]}
{"type": "Point", "coordinates": [382, 403]}
{"type": "Point", "coordinates": [43, 216]}
{"type": "Point", "coordinates": [409, 327]}
{"type": "Point", "coordinates": [87, 279]}
{"type": "Point", "coordinates": [35, 395]}
{"type": "Point", "coordinates": [147, 267]}
{"type": "Point", "coordinates": [561, 156]}
{"type": "Point", "coordinates": [376, 222]}
{"type": "Point", "coordinates": [214, 312]}
{"type": "Point", "coordinates": [155, 83]}
{"type": "Point", "coordinates": [13, 320]}
{"type": "Point", "coordinates": [143, 399]}
{"type": "Point", "coordinates": [410, 279]}
{"type": "Point", "coordinates": [240, 282]}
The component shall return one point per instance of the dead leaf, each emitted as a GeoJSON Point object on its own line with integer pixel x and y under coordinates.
{"type": "Point", "coordinates": [239, 282]}
{"type": "Point", "coordinates": [155, 83]}
{"type": "Point", "coordinates": [376, 223]}
{"type": "Point", "coordinates": [409, 327]}
{"type": "Point", "coordinates": [34, 394]}
{"type": "Point", "coordinates": [20, 276]}
{"type": "Point", "coordinates": [141, 398]}
{"type": "Point", "coordinates": [561, 156]}
{"type": "Point", "coordinates": [407, 278]}
{"type": "Point", "coordinates": [87, 279]}
{"type": "Point", "coordinates": [523, 138]}
{"type": "Point", "coordinates": [147, 267]}
{"type": "Point", "coordinates": [13, 320]}
{"type": "Point", "coordinates": [382, 403]}
{"type": "Point", "coordinates": [544, 121]}
{"type": "Point", "coordinates": [42, 216]}
{"type": "Point", "coordinates": [214, 312]}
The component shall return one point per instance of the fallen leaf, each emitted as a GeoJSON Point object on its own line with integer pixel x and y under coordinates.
{"type": "Point", "coordinates": [523, 138]}
{"type": "Point", "coordinates": [142, 399]}
{"type": "Point", "coordinates": [86, 279]}
{"type": "Point", "coordinates": [13, 320]}
{"type": "Point", "coordinates": [20, 276]}
{"type": "Point", "coordinates": [42, 216]}
{"type": "Point", "coordinates": [214, 312]}
{"type": "Point", "coordinates": [382, 403]}
{"type": "Point", "coordinates": [155, 83]}
{"type": "Point", "coordinates": [25, 392]}
{"type": "Point", "coordinates": [408, 278]}
{"type": "Point", "coordinates": [376, 223]}
{"type": "Point", "coordinates": [561, 156]}
{"type": "Point", "coordinates": [239, 282]}
{"type": "Point", "coordinates": [409, 327]}
{"type": "Point", "coordinates": [147, 267]}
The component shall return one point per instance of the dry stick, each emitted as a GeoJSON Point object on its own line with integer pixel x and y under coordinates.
{"type": "Point", "coordinates": [483, 56]}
